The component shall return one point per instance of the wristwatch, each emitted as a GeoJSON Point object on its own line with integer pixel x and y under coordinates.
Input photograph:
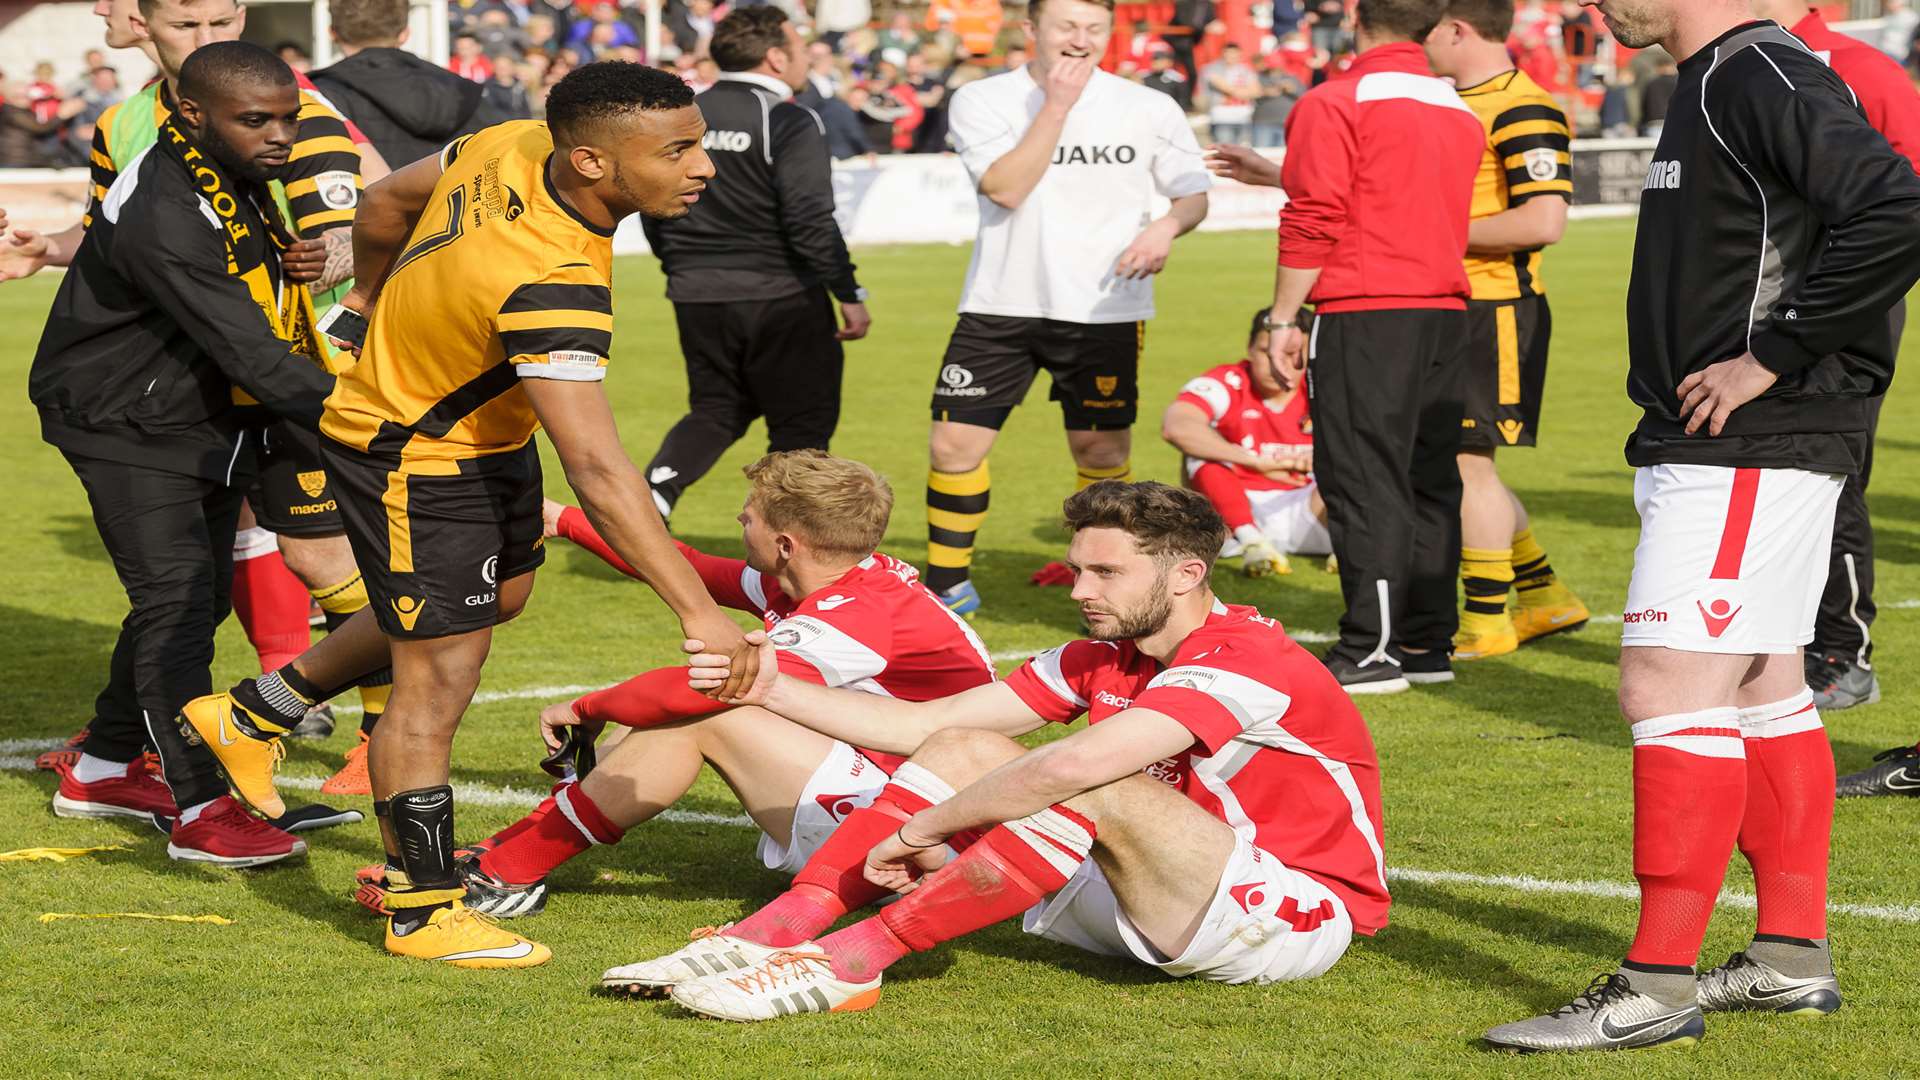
{"type": "Point", "coordinates": [1267, 323]}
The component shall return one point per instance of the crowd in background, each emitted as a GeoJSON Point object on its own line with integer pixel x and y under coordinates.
{"type": "Point", "coordinates": [880, 79]}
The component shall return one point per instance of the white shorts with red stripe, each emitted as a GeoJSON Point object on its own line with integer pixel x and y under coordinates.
{"type": "Point", "coordinates": [845, 781]}
{"type": "Point", "coordinates": [1286, 516]}
{"type": "Point", "coordinates": [1267, 923]}
{"type": "Point", "coordinates": [1730, 560]}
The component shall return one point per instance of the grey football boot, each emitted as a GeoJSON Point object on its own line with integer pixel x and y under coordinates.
{"type": "Point", "coordinates": [1609, 1015]}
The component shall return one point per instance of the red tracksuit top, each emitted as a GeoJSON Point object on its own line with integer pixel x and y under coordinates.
{"type": "Point", "coordinates": [1886, 94]}
{"type": "Point", "coordinates": [1379, 180]}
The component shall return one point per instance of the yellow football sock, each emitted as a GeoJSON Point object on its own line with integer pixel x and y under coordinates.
{"type": "Point", "coordinates": [1090, 475]}
{"type": "Point", "coordinates": [956, 507]}
{"type": "Point", "coordinates": [338, 602]}
{"type": "Point", "coordinates": [1485, 576]}
{"type": "Point", "coordinates": [1534, 582]}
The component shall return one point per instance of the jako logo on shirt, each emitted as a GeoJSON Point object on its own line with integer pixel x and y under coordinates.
{"type": "Point", "coordinates": [737, 142]}
{"type": "Point", "coordinates": [1663, 176]}
{"type": "Point", "coordinates": [1094, 155]}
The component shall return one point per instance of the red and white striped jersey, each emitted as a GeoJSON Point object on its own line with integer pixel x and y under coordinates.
{"type": "Point", "coordinates": [1280, 754]}
{"type": "Point", "coordinates": [875, 629]}
{"type": "Point", "coordinates": [1239, 414]}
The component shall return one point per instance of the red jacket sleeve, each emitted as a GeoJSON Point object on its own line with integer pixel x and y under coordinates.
{"type": "Point", "coordinates": [1318, 178]}
{"type": "Point", "coordinates": [1888, 98]}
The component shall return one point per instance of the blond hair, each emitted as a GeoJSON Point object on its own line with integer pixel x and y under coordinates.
{"type": "Point", "coordinates": [837, 506]}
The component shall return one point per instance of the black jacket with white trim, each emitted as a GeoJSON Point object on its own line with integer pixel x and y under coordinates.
{"type": "Point", "coordinates": [764, 227]}
{"type": "Point", "coordinates": [1774, 220]}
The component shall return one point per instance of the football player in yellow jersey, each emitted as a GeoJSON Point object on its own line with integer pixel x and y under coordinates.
{"type": "Point", "coordinates": [1520, 202]}
{"type": "Point", "coordinates": [487, 270]}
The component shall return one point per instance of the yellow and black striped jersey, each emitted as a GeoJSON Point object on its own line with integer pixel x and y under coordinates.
{"type": "Point", "coordinates": [1529, 153]}
{"type": "Point", "coordinates": [321, 179]}
{"type": "Point", "coordinates": [499, 281]}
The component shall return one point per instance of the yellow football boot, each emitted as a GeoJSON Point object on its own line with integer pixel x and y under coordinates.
{"type": "Point", "coordinates": [465, 938]}
{"type": "Point", "coordinates": [248, 762]}
{"type": "Point", "coordinates": [1497, 639]}
{"type": "Point", "coordinates": [1537, 621]}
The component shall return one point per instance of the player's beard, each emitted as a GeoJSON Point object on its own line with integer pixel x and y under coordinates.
{"type": "Point", "coordinates": [230, 159]}
{"type": "Point", "coordinates": [634, 198]}
{"type": "Point", "coordinates": [1639, 23]}
{"type": "Point", "coordinates": [1144, 619]}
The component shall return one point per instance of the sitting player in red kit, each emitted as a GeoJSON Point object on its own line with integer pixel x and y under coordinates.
{"type": "Point", "coordinates": [1248, 447]}
{"type": "Point", "coordinates": [840, 614]}
{"type": "Point", "coordinates": [1219, 817]}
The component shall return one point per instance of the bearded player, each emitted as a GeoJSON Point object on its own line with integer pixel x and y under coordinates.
{"type": "Point", "coordinates": [1219, 818]}
{"type": "Point", "coordinates": [840, 613]}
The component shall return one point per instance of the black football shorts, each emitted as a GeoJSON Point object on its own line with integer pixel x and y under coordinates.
{"type": "Point", "coordinates": [992, 359]}
{"type": "Point", "coordinates": [1506, 372]}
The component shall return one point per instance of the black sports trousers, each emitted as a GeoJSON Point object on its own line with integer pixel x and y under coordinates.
{"type": "Point", "coordinates": [1844, 626]}
{"type": "Point", "coordinates": [170, 537]}
{"type": "Point", "coordinates": [746, 359]}
{"type": "Point", "coordinates": [1385, 389]}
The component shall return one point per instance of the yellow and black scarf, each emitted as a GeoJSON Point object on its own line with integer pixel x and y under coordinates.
{"type": "Point", "coordinates": [255, 241]}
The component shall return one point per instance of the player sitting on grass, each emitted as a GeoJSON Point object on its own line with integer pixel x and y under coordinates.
{"type": "Point", "coordinates": [1226, 791]}
{"type": "Point", "coordinates": [1248, 446]}
{"type": "Point", "coordinates": [841, 615]}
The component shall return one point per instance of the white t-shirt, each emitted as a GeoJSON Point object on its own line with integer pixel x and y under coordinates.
{"type": "Point", "coordinates": [1053, 258]}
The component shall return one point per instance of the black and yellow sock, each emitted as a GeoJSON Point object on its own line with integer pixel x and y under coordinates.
{"type": "Point", "coordinates": [1534, 582]}
{"type": "Point", "coordinates": [956, 506]}
{"type": "Point", "coordinates": [1486, 574]}
{"type": "Point", "coordinates": [338, 603]}
{"type": "Point", "coordinates": [272, 704]}
{"type": "Point", "coordinates": [1089, 475]}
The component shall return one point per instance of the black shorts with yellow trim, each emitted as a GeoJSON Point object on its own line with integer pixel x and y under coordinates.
{"type": "Point", "coordinates": [1507, 373]}
{"type": "Point", "coordinates": [435, 543]}
{"type": "Point", "coordinates": [291, 496]}
{"type": "Point", "coordinates": [992, 360]}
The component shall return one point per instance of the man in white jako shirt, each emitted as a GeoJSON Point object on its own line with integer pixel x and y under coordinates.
{"type": "Point", "coordinates": [1067, 160]}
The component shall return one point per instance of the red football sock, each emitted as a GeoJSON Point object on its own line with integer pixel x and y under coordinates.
{"type": "Point", "coordinates": [1789, 819]}
{"type": "Point", "coordinates": [569, 823]}
{"type": "Point", "coordinates": [660, 696]}
{"type": "Point", "coordinates": [538, 815]}
{"type": "Point", "coordinates": [834, 881]}
{"type": "Point", "coordinates": [1011, 869]}
{"type": "Point", "coordinates": [1689, 791]}
{"type": "Point", "coordinates": [1225, 492]}
{"type": "Point", "coordinates": [272, 606]}
{"type": "Point", "coordinates": [574, 526]}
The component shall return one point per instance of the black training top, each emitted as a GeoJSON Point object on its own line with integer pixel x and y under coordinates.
{"type": "Point", "coordinates": [1774, 220]}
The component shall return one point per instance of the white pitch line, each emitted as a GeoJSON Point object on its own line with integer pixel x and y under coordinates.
{"type": "Point", "coordinates": [526, 799]}
{"type": "Point", "coordinates": [486, 697]}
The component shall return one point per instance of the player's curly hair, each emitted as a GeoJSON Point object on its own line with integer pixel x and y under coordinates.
{"type": "Point", "coordinates": [220, 68]}
{"type": "Point", "coordinates": [1168, 523]}
{"type": "Point", "coordinates": [609, 90]}
{"type": "Point", "coordinates": [836, 505]}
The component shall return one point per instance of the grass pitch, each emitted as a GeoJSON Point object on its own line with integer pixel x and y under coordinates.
{"type": "Point", "coordinates": [1520, 769]}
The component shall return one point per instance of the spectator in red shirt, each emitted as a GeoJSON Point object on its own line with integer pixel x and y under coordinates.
{"type": "Point", "coordinates": [42, 96]}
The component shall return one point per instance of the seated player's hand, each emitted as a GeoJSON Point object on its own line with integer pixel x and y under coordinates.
{"type": "Point", "coordinates": [23, 252]}
{"type": "Point", "coordinates": [550, 511]}
{"type": "Point", "coordinates": [903, 858]}
{"type": "Point", "coordinates": [1242, 163]}
{"type": "Point", "coordinates": [711, 671]}
{"type": "Point", "coordinates": [1709, 396]}
{"type": "Point", "coordinates": [558, 715]}
{"type": "Point", "coordinates": [305, 260]}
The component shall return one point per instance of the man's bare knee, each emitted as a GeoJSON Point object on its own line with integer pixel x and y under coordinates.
{"type": "Point", "coordinates": [962, 755]}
